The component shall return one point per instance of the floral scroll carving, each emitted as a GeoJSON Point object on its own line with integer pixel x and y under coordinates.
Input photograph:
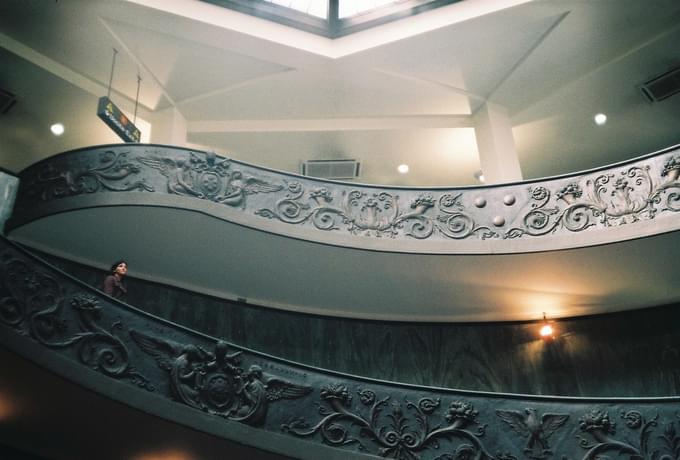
{"type": "Point", "coordinates": [210, 178]}
{"type": "Point", "coordinates": [113, 172]}
{"type": "Point", "coordinates": [454, 222]}
{"type": "Point", "coordinates": [602, 429]}
{"type": "Point", "coordinates": [215, 382]}
{"type": "Point", "coordinates": [624, 195]}
{"type": "Point", "coordinates": [32, 304]}
{"type": "Point", "coordinates": [41, 308]}
{"type": "Point", "coordinates": [609, 200]}
{"type": "Point", "coordinates": [375, 214]}
{"type": "Point", "coordinates": [400, 433]}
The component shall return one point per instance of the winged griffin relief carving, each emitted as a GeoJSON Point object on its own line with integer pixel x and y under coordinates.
{"type": "Point", "coordinates": [210, 178]}
{"type": "Point", "coordinates": [215, 382]}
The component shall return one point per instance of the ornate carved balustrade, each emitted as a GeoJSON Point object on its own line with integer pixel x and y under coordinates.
{"type": "Point", "coordinates": [628, 200]}
{"type": "Point", "coordinates": [300, 411]}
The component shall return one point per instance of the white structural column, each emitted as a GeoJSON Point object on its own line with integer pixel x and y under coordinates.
{"type": "Point", "coordinates": [168, 126]}
{"type": "Point", "coordinates": [496, 145]}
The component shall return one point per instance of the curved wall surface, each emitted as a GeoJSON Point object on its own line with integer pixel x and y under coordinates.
{"type": "Point", "coordinates": [297, 410]}
{"type": "Point", "coordinates": [629, 354]}
{"type": "Point", "coordinates": [583, 244]}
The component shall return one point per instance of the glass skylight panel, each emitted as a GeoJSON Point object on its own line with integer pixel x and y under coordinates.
{"type": "Point", "coordinates": [331, 18]}
{"type": "Point", "coordinates": [318, 8]}
{"type": "Point", "coordinates": [349, 8]}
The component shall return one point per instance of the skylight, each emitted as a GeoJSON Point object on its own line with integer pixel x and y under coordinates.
{"type": "Point", "coordinates": [317, 8]}
{"type": "Point", "coordinates": [332, 18]}
{"type": "Point", "coordinates": [349, 8]}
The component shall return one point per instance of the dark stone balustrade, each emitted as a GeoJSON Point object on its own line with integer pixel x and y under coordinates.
{"type": "Point", "coordinates": [309, 413]}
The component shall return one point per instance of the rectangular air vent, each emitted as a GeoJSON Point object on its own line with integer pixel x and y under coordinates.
{"type": "Point", "coordinates": [662, 87]}
{"type": "Point", "coordinates": [7, 100]}
{"type": "Point", "coordinates": [331, 169]}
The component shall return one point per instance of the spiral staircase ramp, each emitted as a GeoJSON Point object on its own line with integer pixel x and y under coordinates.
{"type": "Point", "coordinates": [247, 235]}
{"type": "Point", "coordinates": [574, 245]}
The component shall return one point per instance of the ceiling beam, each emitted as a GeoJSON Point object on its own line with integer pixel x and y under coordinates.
{"type": "Point", "coordinates": [67, 74]}
{"type": "Point", "coordinates": [333, 124]}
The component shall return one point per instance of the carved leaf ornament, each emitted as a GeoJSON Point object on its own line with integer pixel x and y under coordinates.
{"type": "Point", "coordinates": [113, 172]}
{"type": "Point", "coordinates": [32, 303]}
{"type": "Point", "coordinates": [400, 430]}
{"type": "Point", "coordinates": [616, 197]}
{"type": "Point", "coordinates": [608, 200]}
{"type": "Point", "coordinates": [43, 308]}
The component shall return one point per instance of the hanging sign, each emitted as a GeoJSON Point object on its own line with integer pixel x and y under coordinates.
{"type": "Point", "coordinates": [117, 121]}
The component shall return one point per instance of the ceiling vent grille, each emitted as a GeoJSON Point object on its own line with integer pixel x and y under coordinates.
{"type": "Point", "coordinates": [331, 169]}
{"type": "Point", "coordinates": [7, 100]}
{"type": "Point", "coordinates": [662, 87]}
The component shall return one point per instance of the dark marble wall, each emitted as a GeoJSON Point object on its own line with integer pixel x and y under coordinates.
{"type": "Point", "coordinates": [624, 354]}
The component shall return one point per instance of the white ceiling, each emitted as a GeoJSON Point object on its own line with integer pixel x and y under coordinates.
{"type": "Point", "coordinates": [400, 93]}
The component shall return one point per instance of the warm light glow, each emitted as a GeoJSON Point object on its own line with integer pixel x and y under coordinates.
{"type": "Point", "coordinates": [165, 455]}
{"type": "Point", "coordinates": [57, 129]}
{"type": "Point", "coordinates": [403, 169]}
{"type": "Point", "coordinates": [6, 407]}
{"type": "Point", "coordinates": [600, 119]}
{"type": "Point", "coordinates": [546, 330]}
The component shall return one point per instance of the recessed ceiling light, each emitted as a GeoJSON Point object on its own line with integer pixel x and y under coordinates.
{"type": "Point", "coordinates": [600, 119]}
{"type": "Point", "coordinates": [57, 129]}
{"type": "Point", "coordinates": [402, 169]}
{"type": "Point", "coordinates": [479, 175]}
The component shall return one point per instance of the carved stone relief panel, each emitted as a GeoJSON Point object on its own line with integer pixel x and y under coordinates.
{"type": "Point", "coordinates": [44, 309]}
{"type": "Point", "coordinates": [359, 215]}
